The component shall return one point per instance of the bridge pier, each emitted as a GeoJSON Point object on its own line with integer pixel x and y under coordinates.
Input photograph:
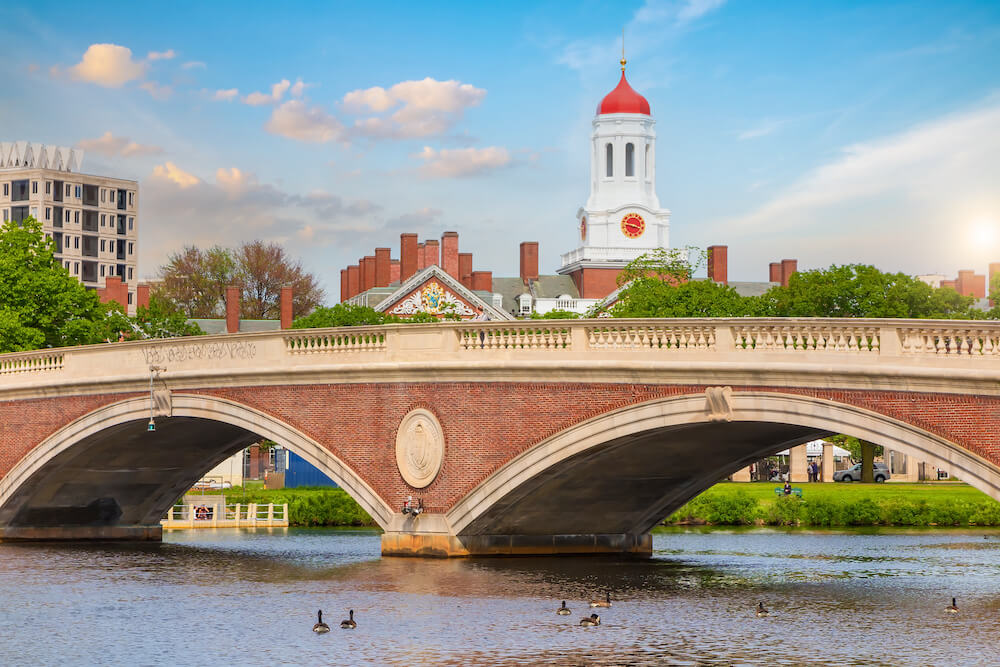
{"type": "Point", "coordinates": [81, 533]}
{"type": "Point", "coordinates": [430, 536]}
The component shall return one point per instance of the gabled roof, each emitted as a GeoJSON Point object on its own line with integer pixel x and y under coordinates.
{"type": "Point", "coordinates": [409, 289]}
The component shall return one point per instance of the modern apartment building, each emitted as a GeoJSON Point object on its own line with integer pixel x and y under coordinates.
{"type": "Point", "coordinates": [94, 220]}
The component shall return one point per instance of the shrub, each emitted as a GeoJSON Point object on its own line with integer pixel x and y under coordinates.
{"type": "Point", "coordinates": [823, 512]}
{"type": "Point", "coordinates": [986, 514]}
{"type": "Point", "coordinates": [785, 511]}
{"type": "Point", "coordinates": [864, 512]}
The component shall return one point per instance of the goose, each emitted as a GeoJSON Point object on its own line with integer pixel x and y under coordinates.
{"type": "Point", "coordinates": [320, 626]}
{"type": "Point", "coordinates": [952, 608]}
{"type": "Point", "coordinates": [563, 610]}
{"type": "Point", "coordinates": [349, 624]}
{"type": "Point", "coordinates": [590, 621]}
{"type": "Point", "coordinates": [761, 612]}
{"type": "Point", "coordinates": [602, 603]}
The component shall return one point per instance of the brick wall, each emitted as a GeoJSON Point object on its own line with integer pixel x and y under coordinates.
{"type": "Point", "coordinates": [485, 424]}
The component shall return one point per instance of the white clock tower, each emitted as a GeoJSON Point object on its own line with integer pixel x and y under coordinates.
{"type": "Point", "coordinates": [622, 218]}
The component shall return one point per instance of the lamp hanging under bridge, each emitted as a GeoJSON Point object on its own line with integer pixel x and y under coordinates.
{"type": "Point", "coordinates": [154, 371]}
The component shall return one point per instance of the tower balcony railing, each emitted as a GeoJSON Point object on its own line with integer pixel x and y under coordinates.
{"type": "Point", "coordinates": [601, 254]}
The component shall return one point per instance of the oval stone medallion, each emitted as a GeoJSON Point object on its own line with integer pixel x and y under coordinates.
{"type": "Point", "coordinates": [419, 448]}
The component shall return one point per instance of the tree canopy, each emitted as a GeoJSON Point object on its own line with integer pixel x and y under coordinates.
{"type": "Point", "coordinates": [41, 305]}
{"type": "Point", "coordinates": [196, 280]}
{"type": "Point", "coordinates": [659, 285]}
{"type": "Point", "coordinates": [349, 315]}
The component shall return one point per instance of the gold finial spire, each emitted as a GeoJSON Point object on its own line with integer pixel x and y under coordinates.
{"type": "Point", "coordinates": [623, 51]}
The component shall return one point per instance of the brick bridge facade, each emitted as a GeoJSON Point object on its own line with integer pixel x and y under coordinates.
{"type": "Point", "coordinates": [567, 437]}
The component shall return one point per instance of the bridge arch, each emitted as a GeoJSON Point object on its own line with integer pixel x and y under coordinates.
{"type": "Point", "coordinates": [227, 425]}
{"type": "Point", "coordinates": [558, 479]}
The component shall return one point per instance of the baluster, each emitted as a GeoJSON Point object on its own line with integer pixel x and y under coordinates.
{"type": "Point", "coordinates": [852, 345]}
{"type": "Point", "coordinates": [963, 348]}
{"type": "Point", "coordinates": [977, 344]}
{"type": "Point", "coordinates": [701, 339]}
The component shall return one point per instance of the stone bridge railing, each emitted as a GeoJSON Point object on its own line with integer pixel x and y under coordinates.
{"type": "Point", "coordinates": [934, 346]}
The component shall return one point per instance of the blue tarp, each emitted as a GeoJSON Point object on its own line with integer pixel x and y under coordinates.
{"type": "Point", "coordinates": [302, 473]}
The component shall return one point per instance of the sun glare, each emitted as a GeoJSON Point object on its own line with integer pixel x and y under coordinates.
{"type": "Point", "coordinates": [984, 233]}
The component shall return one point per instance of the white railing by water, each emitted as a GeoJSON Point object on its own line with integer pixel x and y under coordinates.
{"type": "Point", "coordinates": [251, 515]}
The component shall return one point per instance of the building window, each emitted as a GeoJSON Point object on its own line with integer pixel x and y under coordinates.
{"type": "Point", "coordinates": [67, 216]}
{"type": "Point", "coordinates": [130, 274]}
{"type": "Point", "coordinates": [103, 194]}
{"type": "Point", "coordinates": [76, 217]}
{"type": "Point", "coordinates": [76, 242]}
{"type": "Point", "coordinates": [48, 213]}
{"type": "Point", "coordinates": [6, 189]}
{"type": "Point", "coordinates": [130, 221]}
{"type": "Point", "coordinates": [102, 269]}
{"type": "Point", "coordinates": [48, 187]}
{"type": "Point", "coordinates": [67, 266]}
{"type": "Point", "coordinates": [76, 191]}
{"type": "Point", "coordinates": [130, 293]}
{"type": "Point", "coordinates": [130, 250]}
{"type": "Point", "coordinates": [111, 196]}
{"type": "Point", "coordinates": [130, 199]}
{"type": "Point", "coordinates": [6, 212]}
{"type": "Point", "coordinates": [68, 190]}
{"type": "Point", "coordinates": [34, 187]}
{"type": "Point", "coordinates": [630, 159]}
{"type": "Point", "coordinates": [76, 268]}
{"type": "Point", "coordinates": [102, 219]}
{"type": "Point", "coordinates": [102, 245]}
{"type": "Point", "coordinates": [610, 159]}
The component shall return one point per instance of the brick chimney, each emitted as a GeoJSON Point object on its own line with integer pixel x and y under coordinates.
{"type": "Point", "coordinates": [382, 261]}
{"type": "Point", "coordinates": [718, 264]}
{"type": "Point", "coordinates": [421, 256]}
{"type": "Point", "coordinates": [232, 309]}
{"type": "Point", "coordinates": [286, 307]}
{"type": "Point", "coordinates": [432, 253]}
{"type": "Point", "coordinates": [407, 256]}
{"type": "Point", "coordinates": [969, 283]}
{"type": "Point", "coordinates": [482, 281]}
{"type": "Point", "coordinates": [344, 294]}
{"type": "Point", "coordinates": [788, 267]}
{"type": "Point", "coordinates": [353, 280]}
{"type": "Point", "coordinates": [449, 254]}
{"type": "Point", "coordinates": [529, 261]}
{"type": "Point", "coordinates": [114, 290]}
{"type": "Point", "coordinates": [142, 296]}
{"type": "Point", "coordinates": [775, 272]}
{"type": "Point", "coordinates": [393, 271]}
{"type": "Point", "coordinates": [368, 274]}
{"type": "Point", "coordinates": [465, 268]}
{"type": "Point", "coordinates": [950, 283]}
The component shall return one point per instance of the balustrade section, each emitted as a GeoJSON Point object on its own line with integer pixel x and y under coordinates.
{"type": "Point", "coordinates": [508, 337]}
{"type": "Point", "coordinates": [340, 341]}
{"type": "Point", "coordinates": [957, 340]}
{"type": "Point", "coordinates": [27, 363]}
{"type": "Point", "coordinates": [659, 336]}
{"type": "Point", "coordinates": [806, 337]}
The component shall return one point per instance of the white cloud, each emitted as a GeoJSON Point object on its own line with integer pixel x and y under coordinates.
{"type": "Point", "coordinates": [278, 90]}
{"type": "Point", "coordinates": [194, 64]}
{"type": "Point", "coordinates": [170, 172]}
{"type": "Point", "coordinates": [226, 95]}
{"type": "Point", "coordinates": [296, 120]}
{"type": "Point", "coordinates": [693, 9]}
{"type": "Point", "coordinates": [169, 54]}
{"type": "Point", "coordinates": [422, 108]}
{"type": "Point", "coordinates": [156, 91]}
{"type": "Point", "coordinates": [459, 162]}
{"type": "Point", "coordinates": [914, 191]}
{"type": "Point", "coordinates": [108, 65]}
{"type": "Point", "coordinates": [761, 130]}
{"type": "Point", "coordinates": [112, 146]}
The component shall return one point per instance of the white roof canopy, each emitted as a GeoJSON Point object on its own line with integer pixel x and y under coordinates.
{"type": "Point", "coordinates": [815, 448]}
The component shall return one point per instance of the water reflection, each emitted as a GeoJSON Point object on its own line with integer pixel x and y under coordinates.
{"type": "Point", "coordinates": [251, 598]}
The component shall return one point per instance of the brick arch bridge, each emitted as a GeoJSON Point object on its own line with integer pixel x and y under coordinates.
{"type": "Point", "coordinates": [554, 437]}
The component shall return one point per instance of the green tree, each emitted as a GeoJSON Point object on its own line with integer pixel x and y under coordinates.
{"type": "Point", "coordinates": [651, 297]}
{"type": "Point", "coordinates": [340, 315]}
{"type": "Point", "coordinates": [669, 265]}
{"type": "Point", "coordinates": [41, 305]}
{"type": "Point", "coordinates": [556, 314]}
{"type": "Point", "coordinates": [860, 290]}
{"type": "Point", "coordinates": [160, 319]}
{"type": "Point", "coordinates": [196, 280]}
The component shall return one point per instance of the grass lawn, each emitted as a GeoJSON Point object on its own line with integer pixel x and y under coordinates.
{"type": "Point", "coordinates": [854, 491]}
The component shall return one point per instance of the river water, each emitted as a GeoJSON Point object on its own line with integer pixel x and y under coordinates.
{"type": "Point", "coordinates": [238, 597]}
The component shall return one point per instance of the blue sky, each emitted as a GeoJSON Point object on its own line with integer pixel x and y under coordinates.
{"type": "Point", "coordinates": [830, 132]}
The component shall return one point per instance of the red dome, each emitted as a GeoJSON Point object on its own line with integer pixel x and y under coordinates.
{"type": "Point", "coordinates": [623, 100]}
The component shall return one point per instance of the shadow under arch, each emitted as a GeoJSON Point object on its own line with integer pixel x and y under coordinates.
{"type": "Point", "coordinates": [625, 470]}
{"type": "Point", "coordinates": [108, 455]}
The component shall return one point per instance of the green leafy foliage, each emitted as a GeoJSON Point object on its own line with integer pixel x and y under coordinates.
{"type": "Point", "coordinates": [348, 315]}
{"type": "Point", "coordinates": [651, 297]}
{"type": "Point", "coordinates": [41, 305]}
{"type": "Point", "coordinates": [556, 315]}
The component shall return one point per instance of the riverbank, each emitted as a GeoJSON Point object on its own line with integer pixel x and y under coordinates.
{"type": "Point", "coordinates": [831, 505]}
{"type": "Point", "coordinates": [307, 505]}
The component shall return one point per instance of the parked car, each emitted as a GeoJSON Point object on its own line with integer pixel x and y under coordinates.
{"type": "Point", "coordinates": [881, 471]}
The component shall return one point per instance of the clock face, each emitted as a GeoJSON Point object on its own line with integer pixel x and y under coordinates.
{"type": "Point", "coordinates": [633, 225]}
{"type": "Point", "coordinates": [583, 229]}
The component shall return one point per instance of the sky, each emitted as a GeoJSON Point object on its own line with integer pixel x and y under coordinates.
{"type": "Point", "coordinates": [829, 132]}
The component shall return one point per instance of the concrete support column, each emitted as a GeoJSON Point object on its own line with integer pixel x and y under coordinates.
{"type": "Point", "coordinates": [827, 468]}
{"type": "Point", "coordinates": [742, 475]}
{"type": "Point", "coordinates": [867, 462]}
{"type": "Point", "coordinates": [797, 464]}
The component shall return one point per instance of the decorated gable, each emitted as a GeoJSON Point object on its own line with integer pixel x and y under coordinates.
{"type": "Point", "coordinates": [435, 299]}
